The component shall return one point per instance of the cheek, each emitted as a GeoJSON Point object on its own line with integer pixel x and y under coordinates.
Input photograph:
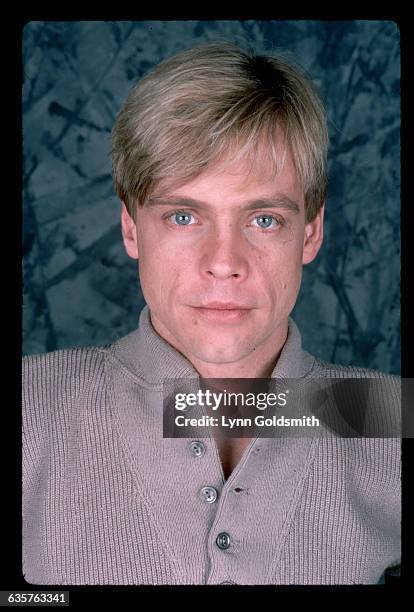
{"type": "Point", "coordinates": [281, 273]}
{"type": "Point", "coordinates": [155, 254]}
{"type": "Point", "coordinates": [162, 272]}
{"type": "Point", "coordinates": [282, 259]}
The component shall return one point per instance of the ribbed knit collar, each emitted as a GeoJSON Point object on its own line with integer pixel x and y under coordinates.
{"type": "Point", "coordinates": [148, 356]}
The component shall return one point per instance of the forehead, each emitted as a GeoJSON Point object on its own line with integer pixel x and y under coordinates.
{"type": "Point", "coordinates": [239, 180]}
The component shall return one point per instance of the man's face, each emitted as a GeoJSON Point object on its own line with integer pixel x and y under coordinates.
{"type": "Point", "coordinates": [226, 237]}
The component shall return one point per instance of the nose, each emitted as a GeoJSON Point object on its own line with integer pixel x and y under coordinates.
{"type": "Point", "coordinates": [224, 255]}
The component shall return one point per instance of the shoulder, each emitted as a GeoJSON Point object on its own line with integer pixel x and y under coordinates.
{"type": "Point", "coordinates": [357, 380]}
{"type": "Point", "coordinates": [332, 370]}
{"type": "Point", "coordinates": [367, 400]}
{"type": "Point", "coordinates": [59, 389]}
{"type": "Point", "coordinates": [62, 364]}
{"type": "Point", "coordinates": [53, 381]}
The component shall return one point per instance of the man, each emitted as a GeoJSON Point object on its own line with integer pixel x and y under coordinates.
{"type": "Point", "coordinates": [219, 160]}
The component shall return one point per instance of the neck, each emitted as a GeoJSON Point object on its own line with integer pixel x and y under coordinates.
{"type": "Point", "coordinates": [260, 363]}
{"type": "Point", "coordinates": [249, 368]}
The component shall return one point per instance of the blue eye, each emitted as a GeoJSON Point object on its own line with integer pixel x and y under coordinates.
{"type": "Point", "coordinates": [267, 221]}
{"type": "Point", "coordinates": [183, 218]}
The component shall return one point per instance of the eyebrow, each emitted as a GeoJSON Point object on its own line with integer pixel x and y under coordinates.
{"type": "Point", "coordinates": [277, 201]}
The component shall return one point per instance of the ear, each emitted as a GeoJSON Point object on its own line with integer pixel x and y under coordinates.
{"type": "Point", "coordinates": [129, 233]}
{"type": "Point", "coordinates": [313, 237]}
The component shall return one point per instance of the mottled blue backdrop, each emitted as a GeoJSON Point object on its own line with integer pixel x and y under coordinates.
{"type": "Point", "coordinates": [81, 288]}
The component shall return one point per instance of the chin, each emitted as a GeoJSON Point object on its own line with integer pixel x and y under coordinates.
{"type": "Point", "coordinates": [221, 345]}
{"type": "Point", "coordinates": [219, 354]}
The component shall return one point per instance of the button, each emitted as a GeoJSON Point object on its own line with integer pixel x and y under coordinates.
{"type": "Point", "coordinates": [223, 540]}
{"type": "Point", "coordinates": [197, 448]}
{"type": "Point", "coordinates": [209, 494]}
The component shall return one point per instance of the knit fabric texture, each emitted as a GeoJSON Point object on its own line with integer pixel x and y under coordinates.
{"type": "Point", "coordinates": [108, 500]}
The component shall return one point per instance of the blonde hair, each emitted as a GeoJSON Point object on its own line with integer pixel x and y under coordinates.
{"type": "Point", "coordinates": [204, 104]}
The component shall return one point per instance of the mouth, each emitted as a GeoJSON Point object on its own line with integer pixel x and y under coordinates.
{"type": "Point", "coordinates": [222, 312]}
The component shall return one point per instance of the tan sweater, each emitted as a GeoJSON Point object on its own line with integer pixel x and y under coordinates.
{"type": "Point", "coordinates": [108, 500]}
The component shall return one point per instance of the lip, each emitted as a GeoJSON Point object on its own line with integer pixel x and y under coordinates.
{"type": "Point", "coordinates": [222, 312]}
{"type": "Point", "coordinates": [223, 306]}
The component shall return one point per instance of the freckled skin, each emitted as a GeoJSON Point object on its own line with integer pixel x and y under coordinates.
{"type": "Point", "coordinates": [223, 254]}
